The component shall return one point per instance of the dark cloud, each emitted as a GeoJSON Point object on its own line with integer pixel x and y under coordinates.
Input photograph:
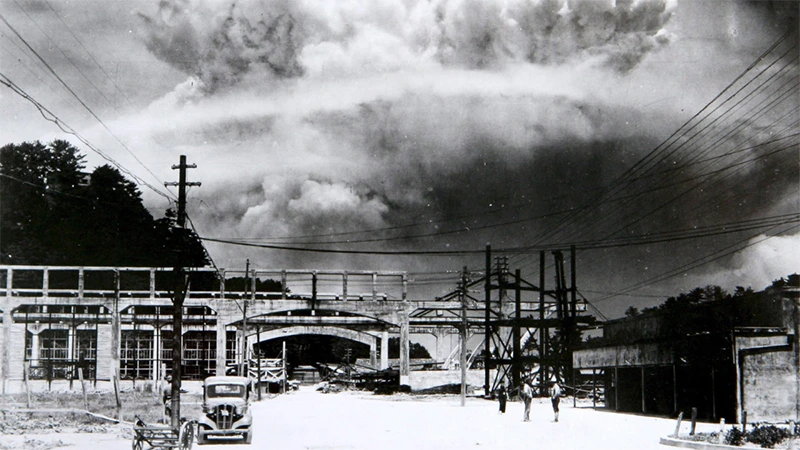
{"type": "Point", "coordinates": [223, 47]}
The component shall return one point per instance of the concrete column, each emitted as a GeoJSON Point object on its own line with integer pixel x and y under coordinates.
{"type": "Point", "coordinates": [71, 343]}
{"type": "Point", "coordinates": [221, 346]}
{"type": "Point", "coordinates": [442, 338]}
{"type": "Point", "coordinates": [35, 346]}
{"type": "Point", "coordinates": [644, 406]}
{"type": "Point", "coordinates": [372, 356]}
{"type": "Point", "coordinates": [344, 286]}
{"type": "Point", "coordinates": [157, 375]}
{"type": "Point", "coordinates": [81, 283]}
{"type": "Point", "coordinates": [114, 342]}
{"type": "Point", "coordinates": [795, 309]}
{"type": "Point", "coordinates": [405, 366]}
{"type": "Point", "coordinates": [384, 350]}
{"type": "Point", "coordinates": [104, 352]}
{"type": "Point", "coordinates": [5, 344]}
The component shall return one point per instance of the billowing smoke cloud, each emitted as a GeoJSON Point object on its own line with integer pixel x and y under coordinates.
{"type": "Point", "coordinates": [316, 117]}
{"type": "Point", "coordinates": [481, 34]}
{"type": "Point", "coordinates": [283, 39]}
{"type": "Point", "coordinates": [220, 47]}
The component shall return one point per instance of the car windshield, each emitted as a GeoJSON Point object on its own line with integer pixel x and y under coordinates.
{"type": "Point", "coordinates": [225, 390]}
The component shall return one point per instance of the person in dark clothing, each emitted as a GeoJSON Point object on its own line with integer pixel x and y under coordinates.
{"type": "Point", "coordinates": [502, 397]}
{"type": "Point", "coordinates": [166, 396]}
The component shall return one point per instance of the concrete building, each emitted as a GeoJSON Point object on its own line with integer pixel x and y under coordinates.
{"type": "Point", "coordinates": [728, 359]}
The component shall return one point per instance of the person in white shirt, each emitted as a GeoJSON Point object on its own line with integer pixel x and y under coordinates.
{"type": "Point", "coordinates": [526, 393]}
{"type": "Point", "coordinates": [555, 398]}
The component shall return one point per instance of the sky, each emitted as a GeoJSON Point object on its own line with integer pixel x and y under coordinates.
{"type": "Point", "coordinates": [397, 126]}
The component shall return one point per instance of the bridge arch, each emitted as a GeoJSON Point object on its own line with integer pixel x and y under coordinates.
{"type": "Point", "coordinates": [358, 336]}
{"type": "Point", "coordinates": [353, 335]}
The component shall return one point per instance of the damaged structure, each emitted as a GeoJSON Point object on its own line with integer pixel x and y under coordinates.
{"type": "Point", "coordinates": [737, 359]}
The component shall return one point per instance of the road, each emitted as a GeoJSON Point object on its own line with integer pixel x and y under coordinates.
{"type": "Point", "coordinates": [311, 420]}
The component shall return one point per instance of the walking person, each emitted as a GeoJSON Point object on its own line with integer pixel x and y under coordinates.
{"type": "Point", "coordinates": [166, 396]}
{"type": "Point", "coordinates": [502, 397]}
{"type": "Point", "coordinates": [526, 393]}
{"type": "Point", "coordinates": [555, 398]}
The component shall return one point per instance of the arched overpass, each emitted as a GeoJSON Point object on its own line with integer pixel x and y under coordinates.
{"type": "Point", "coordinates": [370, 339]}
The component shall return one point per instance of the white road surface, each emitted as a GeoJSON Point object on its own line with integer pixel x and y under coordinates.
{"type": "Point", "coordinates": [310, 420]}
{"type": "Point", "coordinates": [307, 419]}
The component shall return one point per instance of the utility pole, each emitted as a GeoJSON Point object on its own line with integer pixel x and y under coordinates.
{"type": "Point", "coordinates": [243, 369]}
{"type": "Point", "coordinates": [462, 294]}
{"type": "Point", "coordinates": [181, 282]}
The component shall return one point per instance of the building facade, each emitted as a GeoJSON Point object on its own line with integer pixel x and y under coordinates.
{"type": "Point", "coordinates": [103, 324]}
{"type": "Point", "coordinates": [729, 359]}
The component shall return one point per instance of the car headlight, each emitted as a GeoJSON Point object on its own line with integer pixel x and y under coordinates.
{"type": "Point", "coordinates": [239, 410]}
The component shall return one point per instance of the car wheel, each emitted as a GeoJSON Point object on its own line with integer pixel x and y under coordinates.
{"type": "Point", "coordinates": [201, 439]}
{"type": "Point", "coordinates": [248, 437]}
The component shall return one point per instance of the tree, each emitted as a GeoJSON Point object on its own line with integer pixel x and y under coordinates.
{"type": "Point", "coordinates": [415, 350]}
{"type": "Point", "coordinates": [242, 284]}
{"type": "Point", "coordinates": [631, 311]}
{"type": "Point", "coordinates": [742, 292]}
{"type": "Point", "coordinates": [49, 216]}
{"type": "Point", "coordinates": [38, 185]}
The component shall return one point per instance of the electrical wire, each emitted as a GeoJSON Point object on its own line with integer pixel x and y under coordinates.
{"type": "Point", "coordinates": [724, 252]}
{"type": "Point", "coordinates": [55, 44]}
{"type": "Point", "coordinates": [71, 91]}
{"type": "Point", "coordinates": [108, 77]}
{"type": "Point", "coordinates": [623, 180]}
{"type": "Point", "coordinates": [51, 117]}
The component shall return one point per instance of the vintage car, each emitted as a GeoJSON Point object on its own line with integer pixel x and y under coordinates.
{"type": "Point", "coordinates": [226, 410]}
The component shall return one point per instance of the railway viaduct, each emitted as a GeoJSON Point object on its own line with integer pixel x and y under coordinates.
{"type": "Point", "coordinates": [106, 323]}
{"type": "Point", "coordinates": [116, 321]}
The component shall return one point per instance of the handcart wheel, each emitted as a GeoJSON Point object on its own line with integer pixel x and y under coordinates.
{"type": "Point", "coordinates": [187, 435]}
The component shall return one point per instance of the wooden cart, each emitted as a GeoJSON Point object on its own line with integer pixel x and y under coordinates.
{"type": "Point", "coordinates": [162, 437]}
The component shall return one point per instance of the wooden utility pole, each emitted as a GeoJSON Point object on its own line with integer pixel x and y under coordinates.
{"type": "Point", "coordinates": [181, 282]}
{"type": "Point", "coordinates": [487, 334]}
{"type": "Point", "coordinates": [463, 332]}
{"type": "Point", "coordinates": [244, 368]}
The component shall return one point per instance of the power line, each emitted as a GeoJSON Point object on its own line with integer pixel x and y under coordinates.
{"type": "Point", "coordinates": [727, 251]}
{"type": "Point", "coordinates": [51, 190]}
{"type": "Point", "coordinates": [63, 54]}
{"type": "Point", "coordinates": [734, 227]}
{"type": "Point", "coordinates": [69, 130]}
{"type": "Point", "coordinates": [77, 97]}
{"type": "Point", "coordinates": [647, 165]}
{"type": "Point", "coordinates": [624, 179]}
{"type": "Point", "coordinates": [88, 52]}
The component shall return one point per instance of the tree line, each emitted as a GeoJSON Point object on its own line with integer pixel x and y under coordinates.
{"type": "Point", "coordinates": [53, 212]}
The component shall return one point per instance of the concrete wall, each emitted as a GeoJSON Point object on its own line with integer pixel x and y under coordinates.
{"type": "Point", "coordinates": [16, 349]}
{"type": "Point", "coordinates": [769, 382]}
{"type": "Point", "coordinates": [623, 356]}
{"type": "Point", "coordinates": [425, 379]}
{"type": "Point", "coordinates": [769, 376]}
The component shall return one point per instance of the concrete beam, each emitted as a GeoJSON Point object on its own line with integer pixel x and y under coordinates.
{"type": "Point", "coordinates": [358, 336]}
{"type": "Point", "coordinates": [405, 367]}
